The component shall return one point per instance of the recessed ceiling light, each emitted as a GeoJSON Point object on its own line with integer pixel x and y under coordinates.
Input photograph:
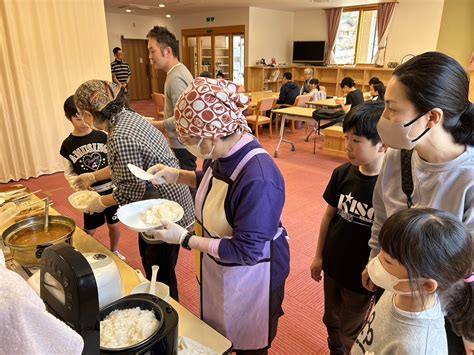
{"type": "Point", "coordinates": [128, 10]}
{"type": "Point", "coordinates": [168, 15]}
{"type": "Point", "coordinates": [161, 5]}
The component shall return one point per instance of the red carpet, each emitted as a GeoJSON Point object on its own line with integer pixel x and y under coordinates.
{"type": "Point", "coordinates": [301, 330]}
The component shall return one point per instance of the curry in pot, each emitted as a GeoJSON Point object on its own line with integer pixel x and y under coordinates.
{"type": "Point", "coordinates": [29, 236]}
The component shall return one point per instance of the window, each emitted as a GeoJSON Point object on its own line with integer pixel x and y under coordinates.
{"type": "Point", "coordinates": [357, 39]}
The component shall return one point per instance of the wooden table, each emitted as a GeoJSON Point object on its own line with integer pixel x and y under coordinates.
{"type": "Point", "coordinates": [293, 113]}
{"type": "Point", "coordinates": [329, 103]}
{"type": "Point", "coordinates": [189, 325]}
{"type": "Point", "coordinates": [256, 96]}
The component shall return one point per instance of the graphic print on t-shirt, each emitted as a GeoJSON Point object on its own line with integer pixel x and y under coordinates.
{"type": "Point", "coordinates": [92, 161]}
{"type": "Point", "coordinates": [354, 211]}
{"type": "Point", "coordinates": [89, 156]}
{"type": "Point", "coordinates": [366, 336]}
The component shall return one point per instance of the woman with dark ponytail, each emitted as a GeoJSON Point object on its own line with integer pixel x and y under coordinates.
{"type": "Point", "coordinates": [427, 125]}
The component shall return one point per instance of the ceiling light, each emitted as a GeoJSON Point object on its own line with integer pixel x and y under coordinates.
{"type": "Point", "coordinates": [168, 15]}
{"type": "Point", "coordinates": [128, 10]}
{"type": "Point", "coordinates": [161, 5]}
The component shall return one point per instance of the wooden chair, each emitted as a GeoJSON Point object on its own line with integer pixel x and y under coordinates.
{"type": "Point", "coordinates": [159, 100]}
{"type": "Point", "coordinates": [259, 118]}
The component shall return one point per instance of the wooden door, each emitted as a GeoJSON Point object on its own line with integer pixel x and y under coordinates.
{"type": "Point", "coordinates": [136, 55]}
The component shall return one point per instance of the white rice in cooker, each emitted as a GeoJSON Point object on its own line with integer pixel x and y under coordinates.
{"type": "Point", "coordinates": [127, 327]}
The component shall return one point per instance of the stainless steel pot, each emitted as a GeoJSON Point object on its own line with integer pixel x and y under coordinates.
{"type": "Point", "coordinates": [30, 255]}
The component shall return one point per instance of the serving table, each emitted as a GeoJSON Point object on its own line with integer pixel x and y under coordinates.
{"type": "Point", "coordinates": [189, 325]}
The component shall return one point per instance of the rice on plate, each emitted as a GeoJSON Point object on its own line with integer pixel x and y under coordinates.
{"type": "Point", "coordinates": [127, 327]}
{"type": "Point", "coordinates": [162, 214]}
{"type": "Point", "coordinates": [81, 199]}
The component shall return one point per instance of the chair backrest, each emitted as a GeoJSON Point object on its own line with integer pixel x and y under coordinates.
{"type": "Point", "coordinates": [301, 100]}
{"type": "Point", "coordinates": [159, 100]}
{"type": "Point", "coordinates": [265, 104]}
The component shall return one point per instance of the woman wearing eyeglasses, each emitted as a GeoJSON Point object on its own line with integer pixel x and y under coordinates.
{"type": "Point", "coordinates": [244, 254]}
{"type": "Point", "coordinates": [131, 140]}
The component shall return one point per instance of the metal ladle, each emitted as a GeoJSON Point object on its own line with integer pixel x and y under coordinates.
{"type": "Point", "coordinates": [46, 214]}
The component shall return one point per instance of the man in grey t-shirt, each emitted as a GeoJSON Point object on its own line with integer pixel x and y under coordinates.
{"type": "Point", "coordinates": [163, 49]}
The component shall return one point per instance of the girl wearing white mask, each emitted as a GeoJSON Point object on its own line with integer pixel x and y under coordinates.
{"type": "Point", "coordinates": [424, 267]}
{"type": "Point", "coordinates": [243, 252]}
{"type": "Point", "coordinates": [428, 113]}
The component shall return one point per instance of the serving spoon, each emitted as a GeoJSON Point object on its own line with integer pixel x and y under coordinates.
{"type": "Point", "coordinates": [154, 273]}
{"type": "Point", "coordinates": [143, 175]}
{"type": "Point", "coordinates": [46, 214]}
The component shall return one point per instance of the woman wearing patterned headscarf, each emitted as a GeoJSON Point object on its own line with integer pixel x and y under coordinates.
{"type": "Point", "coordinates": [132, 140]}
{"type": "Point", "coordinates": [244, 255]}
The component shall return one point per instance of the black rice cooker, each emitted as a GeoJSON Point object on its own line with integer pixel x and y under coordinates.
{"type": "Point", "coordinates": [164, 341]}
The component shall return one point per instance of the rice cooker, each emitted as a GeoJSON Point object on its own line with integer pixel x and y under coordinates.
{"type": "Point", "coordinates": [106, 274]}
{"type": "Point", "coordinates": [73, 287]}
{"type": "Point", "coordinates": [163, 340]}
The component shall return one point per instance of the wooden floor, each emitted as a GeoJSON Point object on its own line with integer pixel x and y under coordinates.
{"type": "Point", "coordinates": [301, 330]}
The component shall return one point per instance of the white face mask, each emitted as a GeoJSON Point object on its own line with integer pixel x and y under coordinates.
{"type": "Point", "coordinates": [397, 134]}
{"type": "Point", "coordinates": [382, 278]}
{"type": "Point", "coordinates": [195, 150]}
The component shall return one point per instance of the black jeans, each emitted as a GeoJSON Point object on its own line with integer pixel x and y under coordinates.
{"type": "Point", "coordinates": [344, 315]}
{"type": "Point", "coordinates": [165, 256]}
{"type": "Point", "coordinates": [187, 161]}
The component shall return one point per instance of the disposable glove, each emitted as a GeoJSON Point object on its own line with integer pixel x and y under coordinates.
{"type": "Point", "coordinates": [172, 234]}
{"type": "Point", "coordinates": [83, 181]}
{"type": "Point", "coordinates": [163, 174]}
{"type": "Point", "coordinates": [95, 206]}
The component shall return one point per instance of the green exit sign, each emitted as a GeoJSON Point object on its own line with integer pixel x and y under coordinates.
{"type": "Point", "coordinates": [210, 19]}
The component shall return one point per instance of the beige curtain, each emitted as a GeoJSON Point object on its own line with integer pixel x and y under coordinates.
{"type": "Point", "coordinates": [47, 49]}
{"type": "Point", "coordinates": [333, 17]}
{"type": "Point", "coordinates": [384, 19]}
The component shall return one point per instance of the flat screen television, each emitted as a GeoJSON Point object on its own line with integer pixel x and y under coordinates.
{"type": "Point", "coordinates": [309, 52]}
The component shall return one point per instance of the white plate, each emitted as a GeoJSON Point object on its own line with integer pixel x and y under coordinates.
{"type": "Point", "coordinates": [75, 199]}
{"type": "Point", "coordinates": [131, 215]}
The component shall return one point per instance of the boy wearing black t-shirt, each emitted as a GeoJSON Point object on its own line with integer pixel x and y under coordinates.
{"type": "Point", "coordinates": [85, 150]}
{"type": "Point", "coordinates": [343, 249]}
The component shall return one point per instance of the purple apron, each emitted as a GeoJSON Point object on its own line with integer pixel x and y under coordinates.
{"type": "Point", "coordinates": [235, 299]}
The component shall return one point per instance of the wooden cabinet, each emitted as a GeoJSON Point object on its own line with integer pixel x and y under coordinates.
{"type": "Point", "coordinates": [217, 49]}
{"type": "Point", "coordinates": [222, 61]}
{"type": "Point", "coordinates": [261, 78]}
